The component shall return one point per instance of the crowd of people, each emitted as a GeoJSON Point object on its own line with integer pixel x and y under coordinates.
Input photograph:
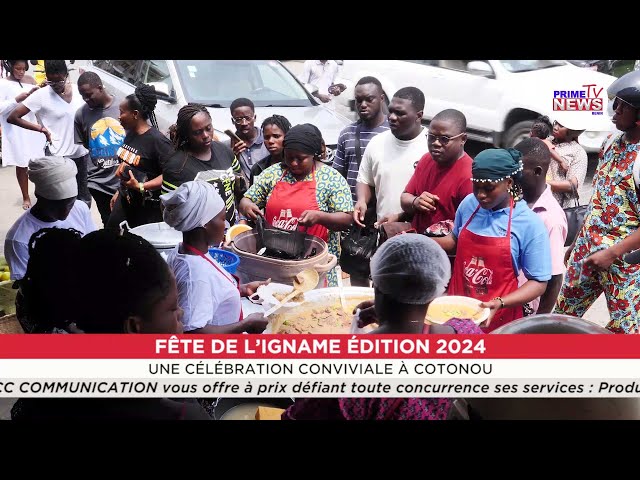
{"type": "Point", "coordinates": [491, 227]}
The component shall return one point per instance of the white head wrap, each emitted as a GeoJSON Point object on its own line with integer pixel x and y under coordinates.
{"type": "Point", "coordinates": [54, 177]}
{"type": "Point", "coordinates": [192, 205]}
{"type": "Point", "coordinates": [411, 268]}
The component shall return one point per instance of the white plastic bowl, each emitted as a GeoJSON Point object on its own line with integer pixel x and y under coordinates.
{"type": "Point", "coordinates": [265, 295]}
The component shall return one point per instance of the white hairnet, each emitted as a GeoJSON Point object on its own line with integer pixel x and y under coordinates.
{"type": "Point", "coordinates": [411, 268]}
{"type": "Point", "coordinates": [191, 205]}
{"type": "Point", "coordinates": [54, 177]}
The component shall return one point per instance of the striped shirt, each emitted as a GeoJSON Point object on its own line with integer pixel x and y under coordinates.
{"type": "Point", "coordinates": [345, 160]}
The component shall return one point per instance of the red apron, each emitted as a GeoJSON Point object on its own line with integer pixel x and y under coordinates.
{"type": "Point", "coordinates": [224, 274]}
{"type": "Point", "coordinates": [484, 270]}
{"type": "Point", "coordinates": [289, 200]}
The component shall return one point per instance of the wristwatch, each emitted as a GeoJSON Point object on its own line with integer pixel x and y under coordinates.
{"type": "Point", "coordinates": [141, 185]}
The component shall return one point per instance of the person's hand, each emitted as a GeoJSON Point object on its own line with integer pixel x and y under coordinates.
{"type": "Point", "coordinates": [426, 202]}
{"type": "Point", "coordinates": [47, 134]}
{"type": "Point", "coordinates": [22, 96]}
{"type": "Point", "coordinates": [249, 289]}
{"type": "Point", "coordinates": [493, 306]}
{"type": "Point", "coordinates": [308, 218]}
{"type": "Point", "coordinates": [601, 260]}
{"type": "Point", "coordinates": [113, 200]}
{"type": "Point", "coordinates": [392, 217]}
{"type": "Point", "coordinates": [238, 148]}
{"type": "Point", "coordinates": [367, 313]}
{"type": "Point", "coordinates": [252, 211]}
{"type": "Point", "coordinates": [567, 254]}
{"type": "Point", "coordinates": [337, 88]}
{"type": "Point", "coordinates": [323, 98]}
{"type": "Point", "coordinates": [132, 183]}
{"type": "Point", "coordinates": [255, 323]}
{"type": "Point", "coordinates": [359, 211]}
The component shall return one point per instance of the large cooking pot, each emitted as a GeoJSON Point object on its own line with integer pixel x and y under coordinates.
{"type": "Point", "coordinates": [254, 267]}
{"type": "Point", "coordinates": [554, 408]}
{"type": "Point", "coordinates": [163, 237]}
{"type": "Point", "coordinates": [551, 323]}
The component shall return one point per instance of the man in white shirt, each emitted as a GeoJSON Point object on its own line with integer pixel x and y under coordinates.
{"type": "Point", "coordinates": [322, 74]}
{"type": "Point", "coordinates": [391, 157]}
{"type": "Point", "coordinates": [56, 206]}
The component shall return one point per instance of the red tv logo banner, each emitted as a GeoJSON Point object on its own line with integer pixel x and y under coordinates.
{"type": "Point", "coordinates": [587, 100]}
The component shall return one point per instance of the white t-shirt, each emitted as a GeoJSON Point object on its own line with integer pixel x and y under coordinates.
{"type": "Point", "coordinates": [16, 244]}
{"type": "Point", "coordinates": [208, 296]}
{"type": "Point", "coordinates": [388, 164]}
{"type": "Point", "coordinates": [19, 145]}
{"type": "Point", "coordinates": [57, 116]}
{"type": "Point", "coordinates": [322, 75]}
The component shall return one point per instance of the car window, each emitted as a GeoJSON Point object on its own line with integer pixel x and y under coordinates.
{"type": "Point", "coordinates": [125, 69]}
{"type": "Point", "coordinates": [517, 66]}
{"type": "Point", "coordinates": [156, 71]}
{"type": "Point", "coordinates": [433, 63]}
{"type": "Point", "coordinates": [219, 82]}
{"type": "Point", "coordinates": [460, 65]}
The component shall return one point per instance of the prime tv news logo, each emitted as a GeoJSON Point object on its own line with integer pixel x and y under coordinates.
{"type": "Point", "coordinates": [587, 100]}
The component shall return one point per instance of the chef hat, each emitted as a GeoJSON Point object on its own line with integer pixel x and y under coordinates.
{"type": "Point", "coordinates": [191, 205]}
{"type": "Point", "coordinates": [54, 177]}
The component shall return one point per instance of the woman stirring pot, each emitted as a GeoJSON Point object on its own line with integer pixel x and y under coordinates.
{"type": "Point", "coordinates": [496, 235]}
{"type": "Point", "coordinates": [302, 192]}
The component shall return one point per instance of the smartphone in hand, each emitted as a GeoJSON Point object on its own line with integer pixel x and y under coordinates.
{"type": "Point", "coordinates": [233, 136]}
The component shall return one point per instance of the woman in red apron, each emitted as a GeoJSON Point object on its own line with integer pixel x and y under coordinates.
{"type": "Point", "coordinates": [209, 296]}
{"type": "Point", "coordinates": [489, 251]}
{"type": "Point", "coordinates": [302, 193]}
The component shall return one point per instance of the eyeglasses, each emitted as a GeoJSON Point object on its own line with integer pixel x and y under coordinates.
{"type": "Point", "coordinates": [58, 83]}
{"type": "Point", "coordinates": [241, 120]}
{"type": "Point", "coordinates": [442, 139]}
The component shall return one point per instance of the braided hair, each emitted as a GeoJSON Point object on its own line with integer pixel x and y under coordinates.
{"type": "Point", "coordinates": [183, 123]}
{"type": "Point", "coordinates": [144, 99]}
{"type": "Point", "coordinates": [279, 121]}
{"type": "Point", "coordinates": [49, 284]}
{"type": "Point", "coordinates": [109, 260]}
{"type": "Point", "coordinates": [9, 64]}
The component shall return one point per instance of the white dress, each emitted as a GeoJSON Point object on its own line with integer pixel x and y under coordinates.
{"type": "Point", "coordinates": [19, 145]}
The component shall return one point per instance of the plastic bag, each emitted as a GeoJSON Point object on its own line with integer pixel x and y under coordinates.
{"type": "Point", "coordinates": [357, 248]}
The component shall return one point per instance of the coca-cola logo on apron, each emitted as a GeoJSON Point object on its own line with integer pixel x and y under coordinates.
{"type": "Point", "coordinates": [285, 221]}
{"type": "Point", "coordinates": [477, 273]}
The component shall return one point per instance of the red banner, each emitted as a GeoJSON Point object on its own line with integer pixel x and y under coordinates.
{"type": "Point", "coordinates": [320, 346]}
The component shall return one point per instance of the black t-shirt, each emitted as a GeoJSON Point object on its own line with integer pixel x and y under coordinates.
{"type": "Point", "coordinates": [260, 167]}
{"type": "Point", "coordinates": [219, 170]}
{"type": "Point", "coordinates": [146, 154]}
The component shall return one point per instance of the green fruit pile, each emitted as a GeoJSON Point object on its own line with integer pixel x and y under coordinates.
{"type": "Point", "coordinates": [5, 274]}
